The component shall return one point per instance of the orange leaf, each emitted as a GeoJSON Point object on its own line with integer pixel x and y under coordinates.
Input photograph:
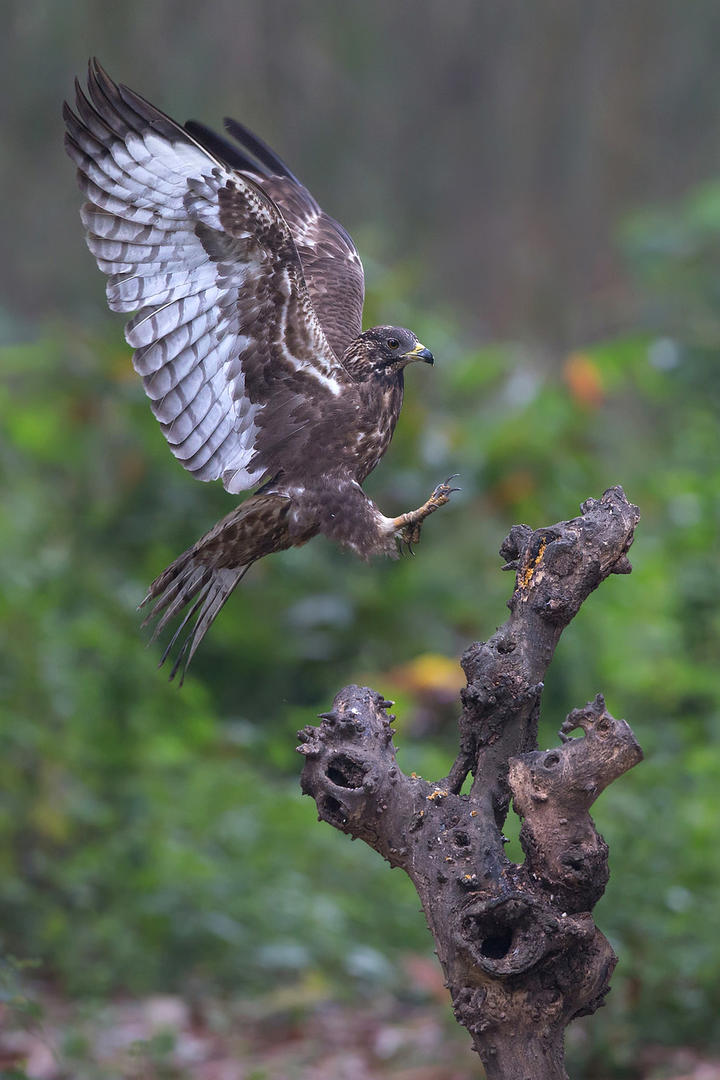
{"type": "Point", "coordinates": [583, 380]}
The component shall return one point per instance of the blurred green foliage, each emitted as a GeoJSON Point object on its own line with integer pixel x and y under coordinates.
{"type": "Point", "coordinates": [152, 838]}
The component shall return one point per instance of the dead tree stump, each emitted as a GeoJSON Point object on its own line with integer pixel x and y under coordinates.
{"type": "Point", "coordinates": [521, 954]}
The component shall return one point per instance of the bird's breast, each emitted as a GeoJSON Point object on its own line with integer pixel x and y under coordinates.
{"type": "Point", "coordinates": [377, 415]}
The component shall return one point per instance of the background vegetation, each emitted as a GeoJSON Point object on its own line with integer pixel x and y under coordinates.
{"type": "Point", "coordinates": [154, 840]}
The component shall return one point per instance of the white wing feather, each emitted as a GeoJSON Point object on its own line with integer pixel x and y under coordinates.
{"type": "Point", "coordinates": [150, 193]}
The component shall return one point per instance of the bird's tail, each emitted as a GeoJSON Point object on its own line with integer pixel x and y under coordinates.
{"type": "Point", "coordinates": [187, 580]}
{"type": "Point", "coordinates": [202, 578]}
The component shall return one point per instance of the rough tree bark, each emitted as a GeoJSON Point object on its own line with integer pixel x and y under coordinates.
{"type": "Point", "coordinates": [521, 954]}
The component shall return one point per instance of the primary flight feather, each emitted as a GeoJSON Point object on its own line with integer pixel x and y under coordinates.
{"type": "Point", "coordinates": [247, 331]}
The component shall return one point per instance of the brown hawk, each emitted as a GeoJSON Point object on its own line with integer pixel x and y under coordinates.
{"type": "Point", "coordinates": [247, 331]}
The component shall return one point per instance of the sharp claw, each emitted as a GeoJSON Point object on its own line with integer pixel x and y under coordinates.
{"type": "Point", "coordinates": [443, 491]}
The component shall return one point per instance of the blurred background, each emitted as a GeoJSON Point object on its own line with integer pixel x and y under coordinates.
{"type": "Point", "coordinates": [535, 190]}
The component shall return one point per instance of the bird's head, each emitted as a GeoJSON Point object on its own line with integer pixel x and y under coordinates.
{"type": "Point", "coordinates": [384, 350]}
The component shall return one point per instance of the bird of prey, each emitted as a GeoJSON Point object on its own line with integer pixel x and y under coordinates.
{"type": "Point", "coordinates": [247, 331]}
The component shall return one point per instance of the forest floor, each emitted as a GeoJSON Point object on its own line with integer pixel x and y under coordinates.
{"type": "Point", "coordinates": [284, 1038]}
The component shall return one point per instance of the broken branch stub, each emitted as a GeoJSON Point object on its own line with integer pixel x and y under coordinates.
{"type": "Point", "coordinates": [553, 791]}
{"type": "Point", "coordinates": [517, 942]}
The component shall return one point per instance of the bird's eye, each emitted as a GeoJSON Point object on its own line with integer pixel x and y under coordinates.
{"type": "Point", "coordinates": [393, 343]}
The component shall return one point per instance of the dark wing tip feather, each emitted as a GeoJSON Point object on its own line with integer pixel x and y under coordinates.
{"type": "Point", "coordinates": [120, 109]}
{"type": "Point", "coordinates": [225, 150]}
{"type": "Point", "coordinates": [260, 149]}
{"type": "Point", "coordinates": [104, 91]}
{"type": "Point", "coordinates": [86, 111]}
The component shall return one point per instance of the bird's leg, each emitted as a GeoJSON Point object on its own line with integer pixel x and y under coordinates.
{"type": "Point", "coordinates": [408, 526]}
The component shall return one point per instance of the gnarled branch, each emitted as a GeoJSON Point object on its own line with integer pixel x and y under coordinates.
{"type": "Point", "coordinates": [517, 942]}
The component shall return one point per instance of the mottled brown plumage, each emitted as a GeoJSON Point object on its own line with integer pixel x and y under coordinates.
{"type": "Point", "coordinates": [247, 335]}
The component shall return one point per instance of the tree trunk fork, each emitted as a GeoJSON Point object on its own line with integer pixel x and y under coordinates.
{"type": "Point", "coordinates": [520, 952]}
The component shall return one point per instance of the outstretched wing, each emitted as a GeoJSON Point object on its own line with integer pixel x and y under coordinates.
{"type": "Point", "coordinates": [230, 348]}
{"type": "Point", "coordinates": [330, 262]}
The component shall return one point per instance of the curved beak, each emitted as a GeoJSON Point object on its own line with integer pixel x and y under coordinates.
{"type": "Point", "coordinates": [420, 353]}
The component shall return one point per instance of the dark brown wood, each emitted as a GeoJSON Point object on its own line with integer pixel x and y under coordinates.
{"type": "Point", "coordinates": [517, 942]}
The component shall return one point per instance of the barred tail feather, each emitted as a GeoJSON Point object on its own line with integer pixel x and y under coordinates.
{"type": "Point", "coordinates": [187, 580]}
{"type": "Point", "coordinates": [202, 578]}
